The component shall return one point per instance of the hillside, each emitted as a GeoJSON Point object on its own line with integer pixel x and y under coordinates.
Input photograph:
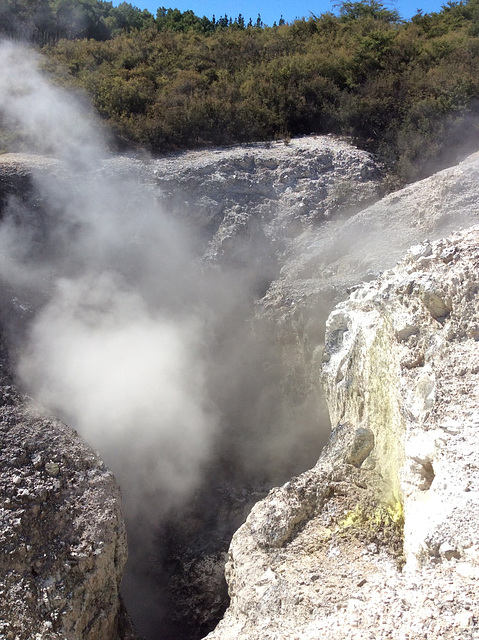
{"type": "Point", "coordinates": [405, 90]}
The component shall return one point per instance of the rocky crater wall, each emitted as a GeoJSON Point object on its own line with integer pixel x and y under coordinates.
{"type": "Point", "coordinates": [62, 536]}
{"type": "Point", "coordinates": [244, 207]}
{"type": "Point", "coordinates": [378, 540]}
{"type": "Point", "coordinates": [294, 219]}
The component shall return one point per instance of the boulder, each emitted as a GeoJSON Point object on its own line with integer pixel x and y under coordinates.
{"type": "Point", "coordinates": [62, 535]}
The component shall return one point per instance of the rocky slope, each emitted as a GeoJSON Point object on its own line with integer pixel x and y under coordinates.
{"type": "Point", "coordinates": [323, 263]}
{"type": "Point", "coordinates": [244, 205]}
{"type": "Point", "coordinates": [62, 535]}
{"type": "Point", "coordinates": [322, 555]}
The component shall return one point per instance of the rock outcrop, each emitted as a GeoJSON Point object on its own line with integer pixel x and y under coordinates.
{"type": "Point", "coordinates": [284, 186]}
{"type": "Point", "coordinates": [378, 540]}
{"type": "Point", "coordinates": [245, 205]}
{"type": "Point", "coordinates": [325, 262]}
{"type": "Point", "coordinates": [295, 218]}
{"type": "Point", "coordinates": [62, 535]}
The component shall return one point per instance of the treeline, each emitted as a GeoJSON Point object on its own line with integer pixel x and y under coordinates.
{"type": "Point", "coordinates": [48, 21]}
{"type": "Point", "coordinates": [406, 90]}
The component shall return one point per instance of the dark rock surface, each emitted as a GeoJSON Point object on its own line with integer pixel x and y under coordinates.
{"type": "Point", "coordinates": [62, 535]}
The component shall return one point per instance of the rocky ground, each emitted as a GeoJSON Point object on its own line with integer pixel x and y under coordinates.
{"type": "Point", "coordinates": [321, 556]}
{"type": "Point", "coordinates": [244, 205]}
{"type": "Point", "coordinates": [297, 219]}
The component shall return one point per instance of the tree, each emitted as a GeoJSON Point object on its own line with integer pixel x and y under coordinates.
{"type": "Point", "coordinates": [126, 17]}
{"type": "Point", "coordinates": [349, 10]}
{"type": "Point", "coordinates": [183, 22]}
{"type": "Point", "coordinates": [81, 19]}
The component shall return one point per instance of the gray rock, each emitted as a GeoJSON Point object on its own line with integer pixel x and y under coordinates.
{"type": "Point", "coordinates": [361, 447]}
{"type": "Point", "coordinates": [246, 205]}
{"type": "Point", "coordinates": [62, 535]}
{"type": "Point", "coordinates": [304, 206]}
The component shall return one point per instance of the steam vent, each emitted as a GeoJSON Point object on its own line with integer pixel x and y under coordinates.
{"type": "Point", "coordinates": [276, 362]}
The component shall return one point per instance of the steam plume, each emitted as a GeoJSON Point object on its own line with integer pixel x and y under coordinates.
{"type": "Point", "coordinates": [115, 338]}
{"type": "Point", "coordinates": [123, 335]}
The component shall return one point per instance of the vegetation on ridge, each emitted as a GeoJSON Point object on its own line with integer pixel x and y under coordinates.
{"type": "Point", "coordinates": [406, 90]}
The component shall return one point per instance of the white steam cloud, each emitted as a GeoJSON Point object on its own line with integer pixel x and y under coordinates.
{"type": "Point", "coordinates": [116, 344]}
{"type": "Point", "coordinates": [118, 330]}
{"type": "Point", "coordinates": [129, 379]}
{"type": "Point", "coordinates": [52, 119]}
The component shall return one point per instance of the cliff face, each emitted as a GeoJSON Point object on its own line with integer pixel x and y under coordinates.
{"type": "Point", "coordinates": [378, 540]}
{"type": "Point", "coordinates": [401, 361]}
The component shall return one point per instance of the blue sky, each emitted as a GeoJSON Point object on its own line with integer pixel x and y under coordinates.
{"type": "Point", "coordinates": [271, 10]}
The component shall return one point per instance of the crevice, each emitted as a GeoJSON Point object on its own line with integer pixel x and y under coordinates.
{"type": "Point", "coordinates": [427, 474]}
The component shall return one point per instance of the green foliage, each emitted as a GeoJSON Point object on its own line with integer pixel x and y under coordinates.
{"type": "Point", "coordinates": [406, 90]}
{"type": "Point", "coordinates": [46, 21]}
{"type": "Point", "coordinates": [367, 9]}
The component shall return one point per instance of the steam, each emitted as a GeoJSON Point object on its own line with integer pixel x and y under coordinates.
{"type": "Point", "coordinates": [130, 379]}
{"type": "Point", "coordinates": [118, 331]}
{"type": "Point", "coordinates": [53, 120]}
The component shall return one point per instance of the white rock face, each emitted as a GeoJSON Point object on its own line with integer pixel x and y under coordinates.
{"type": "Point", "coordinates": [327, 260]}
{"type": "Point", "coordinates": [286, 185]}
{"type": "Point", "coordinates": [319, 556]}
{"type": "Point", "coordinates": [404, 363]}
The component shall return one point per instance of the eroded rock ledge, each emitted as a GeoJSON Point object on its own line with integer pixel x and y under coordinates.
{"type": "Point", "coordinates": [379, 539]}
{"type": "Point", "coordinates": [62, 535]}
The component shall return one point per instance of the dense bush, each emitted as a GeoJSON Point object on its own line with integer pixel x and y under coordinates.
{"type": "Point", "coordinates": [406, 90]}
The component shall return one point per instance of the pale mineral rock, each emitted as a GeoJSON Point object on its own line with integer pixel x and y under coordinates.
{"type": "Point", "coordinates": [380, 541]}
{"type": "Point", "coordinates": [324, 555]}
